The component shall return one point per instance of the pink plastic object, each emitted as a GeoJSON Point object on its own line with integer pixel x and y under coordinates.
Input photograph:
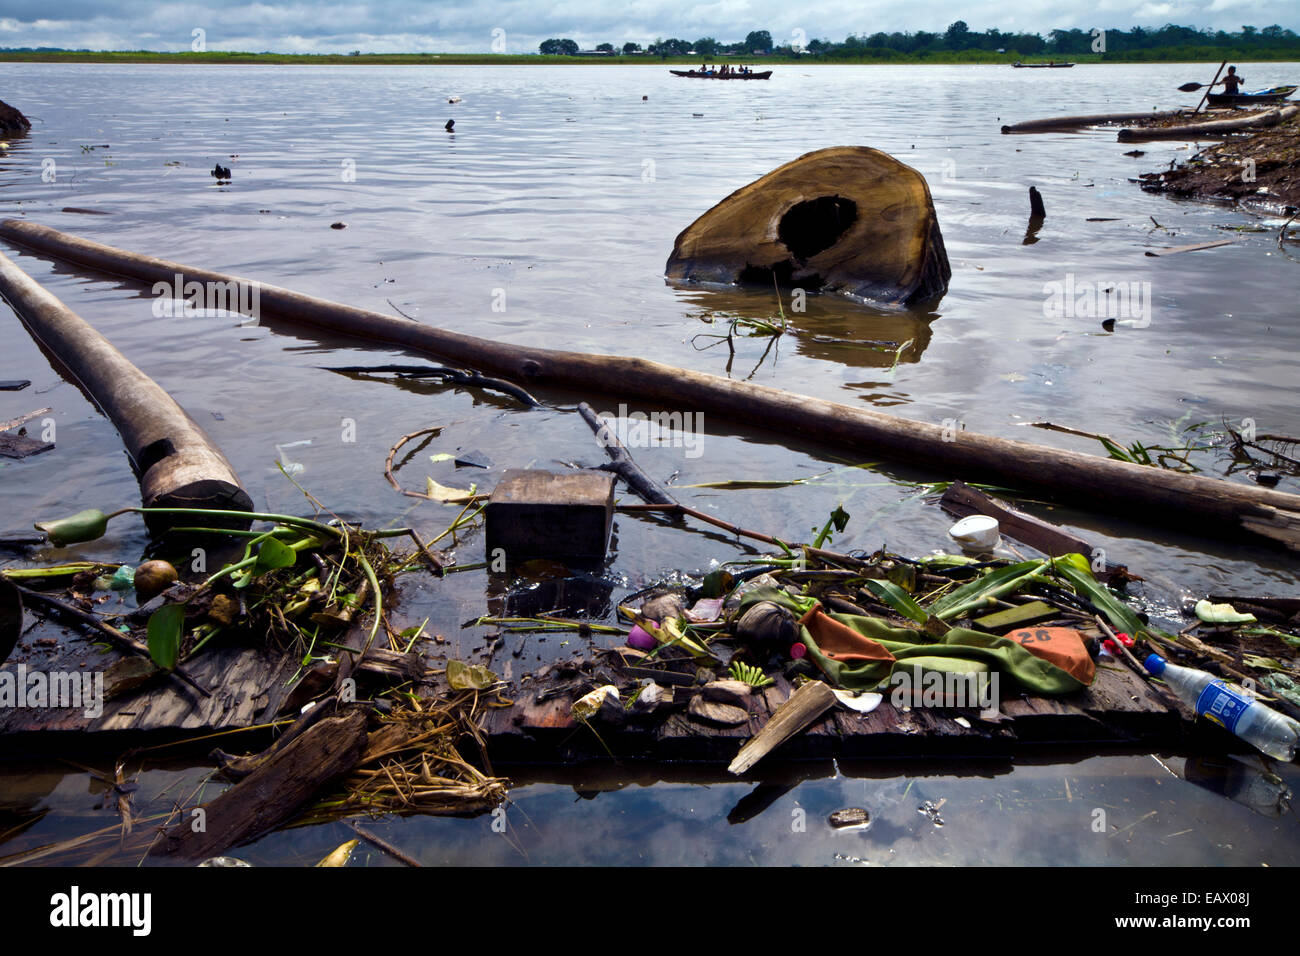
{"type": "Point", "coordinates": [641, 640]}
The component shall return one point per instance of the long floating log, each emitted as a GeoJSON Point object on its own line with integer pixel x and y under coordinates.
{"type": "Point", "coordinates": [1062, 123]}
{"type": "Point", "coordinates": [177, 465]}
{"type": "Point", "coordinates": [1194, 130]}
{"type": "Point", "coordinates": [1146, 493]}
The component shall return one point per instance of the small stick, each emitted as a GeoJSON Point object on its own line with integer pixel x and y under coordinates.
{"type": "Point", "coordinates": [1124, 651]}
{"type": "Point", "coordinates": [384, 845]}
{"type": "Point", "coordinates": [392, 453]}
{"type": "Point", "coordinates": [438, 567]}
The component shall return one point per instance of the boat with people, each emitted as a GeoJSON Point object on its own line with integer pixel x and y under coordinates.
{"type": "Point", "coordinates": [1042, 66]}
{"type": "Point", "coordinates": [726, 73]}
{"type": "Point", "coordinates": [1274, 94]}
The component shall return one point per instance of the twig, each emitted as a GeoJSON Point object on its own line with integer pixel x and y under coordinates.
{"type": "Point", "coordinates": [384, 845]}
{"type": "Point", "coordinates": [438, 567]}
{"type": "Point", "coordinates": [454, 375]}
{"type": "Point", "coordinates": [622, 463]}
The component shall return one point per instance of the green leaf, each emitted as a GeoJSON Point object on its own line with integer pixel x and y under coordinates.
{"type": "Point", "coordinates": [976, 593]}
{"type": "Point", "coordinates": [274, 554]}
{"type": "Point", "coordinates": [166, 627]}
{"type": "Point", "coordinates": [85, 525]}
{"type": "Point", "coordinates": [897, 598]}
{"type": "Point", "coordinates": [1121, 616]}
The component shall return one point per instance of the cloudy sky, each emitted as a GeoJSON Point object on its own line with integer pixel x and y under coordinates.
{"type": "Point", "coordinates": [469, 26]}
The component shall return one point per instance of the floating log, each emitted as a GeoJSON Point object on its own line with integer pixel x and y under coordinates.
{"type": "Point", "coordinates": [1146, 493]}
{"type": "Point", "coordinates": [847, 219]}
{"type": "Point", "coordinates": [177, 465]}
{"type": "Point", "coordinates": [1062, 123]}
{"type": "Point", "coordinates": [1195, 130]}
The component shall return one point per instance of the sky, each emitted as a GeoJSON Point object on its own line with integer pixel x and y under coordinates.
{"type": "Point", "coordinates": [518, 26]}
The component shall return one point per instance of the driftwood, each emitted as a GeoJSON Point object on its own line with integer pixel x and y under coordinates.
{"type": "Point", "coordinates": [1194, 130]}
{"type": "Point", "coordinates": [272, 793]}
{"type": "Point", "coordinates": [1061, 123]}
{"type": "Point", "coordinates": [12, 121]}
{"type": "Point", "coordinates": [847, 219]}
{"type": "Point", "coordinates": [962, 501]}
{"type": "Point", "coordinates": [804, 706]}
{"type": "Point", "coordinates": [1146, 493]}
{"type": "Point", "coordinates": [177, 464]}
{"type": "Point", "coordinates": [622, 464]}
{"type": "Point", "coordinates": [1194, 247]}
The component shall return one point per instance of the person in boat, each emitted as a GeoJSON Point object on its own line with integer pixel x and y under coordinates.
{"type": "Point", "coordinates": [1231, 82]}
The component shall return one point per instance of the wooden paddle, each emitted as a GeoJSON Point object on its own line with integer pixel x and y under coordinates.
{"type": "Point", "coordinates": [1210, 87]}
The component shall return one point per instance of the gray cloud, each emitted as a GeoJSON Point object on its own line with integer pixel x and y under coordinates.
{"type": "Point", "coordinates": [407, 26]}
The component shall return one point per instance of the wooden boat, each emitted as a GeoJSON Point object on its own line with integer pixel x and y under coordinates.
{"type": "Point", "coordinates": [697, 75]}
{"type": "Point", "coordinates": [1275, 95]}
{"type": "Point", "coordinates": [1041, 66]}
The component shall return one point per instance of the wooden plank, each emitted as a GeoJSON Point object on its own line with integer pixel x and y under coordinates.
{"type": "Point", "coordinates": [1022, 616]}
{"type": "Point", "coordinates": [20, 446]}
{"type": "Point", "coordinates": [962, 501]}
{"type": "Point", "coordinates": [804, 707]}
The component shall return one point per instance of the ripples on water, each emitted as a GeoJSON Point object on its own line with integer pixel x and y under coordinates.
{"type": "Point", "coordinates": [562, 190]}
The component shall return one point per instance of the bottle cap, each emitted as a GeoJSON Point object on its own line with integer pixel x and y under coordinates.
{"type": "Point", "coordinates": [1155, 664]}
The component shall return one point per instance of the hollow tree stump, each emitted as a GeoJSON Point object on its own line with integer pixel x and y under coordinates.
{"type": "Point", "coordinates": [848, 219]}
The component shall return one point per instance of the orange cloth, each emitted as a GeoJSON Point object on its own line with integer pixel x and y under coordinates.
{"type": "Point", "coordinates": [1062, 646]}
{"type": "Point", "coordinates": [839, 641]}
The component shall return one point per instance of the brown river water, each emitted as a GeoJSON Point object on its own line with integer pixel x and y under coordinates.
{"type": "Point", "coordinates": [546, 219]}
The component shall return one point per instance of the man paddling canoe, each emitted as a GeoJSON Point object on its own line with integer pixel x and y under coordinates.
{"type": "Point", "coordinates": [1231, 82]}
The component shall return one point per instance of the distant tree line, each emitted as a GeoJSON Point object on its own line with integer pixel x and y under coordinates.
{"type": "Point", "coordinates": [1169, 40]}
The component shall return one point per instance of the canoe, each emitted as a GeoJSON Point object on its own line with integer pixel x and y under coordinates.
{"type": "Point", "coordinates": [696, 75]}
{"type": "Point", "coordinates": [1041, 66]}
{"type": "Point", "coordinates": [1275, 95]}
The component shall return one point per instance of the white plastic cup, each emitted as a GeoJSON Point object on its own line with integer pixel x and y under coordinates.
{"type": "Point", "coordinates": [976, 534]}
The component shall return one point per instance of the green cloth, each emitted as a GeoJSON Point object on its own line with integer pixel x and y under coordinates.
{"type": "Point", "coordinates": [1033, 673]}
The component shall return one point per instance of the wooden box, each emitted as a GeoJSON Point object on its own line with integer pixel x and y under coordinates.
{"type": "Point", "coordinates": [535, 514]}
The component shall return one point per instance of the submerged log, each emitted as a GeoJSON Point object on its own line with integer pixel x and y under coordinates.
{"type": "Point", "coordinates": [177, 465]}
{"type": "Point", "coordinates": [847, 219]}
{"type": "Point", "coordinates": [12, 121]}
{"type": "Point", "coordinates": [1194, 130]}
{"type": "Point", "coordinates": [1146, 493]}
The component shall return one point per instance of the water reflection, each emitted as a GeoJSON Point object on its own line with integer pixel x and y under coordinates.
{"type": "Point", "coordinates": [829, 328]}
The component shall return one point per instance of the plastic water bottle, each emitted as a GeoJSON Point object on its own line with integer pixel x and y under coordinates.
{"type": "Point", "coordinates": [1273, 733]}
